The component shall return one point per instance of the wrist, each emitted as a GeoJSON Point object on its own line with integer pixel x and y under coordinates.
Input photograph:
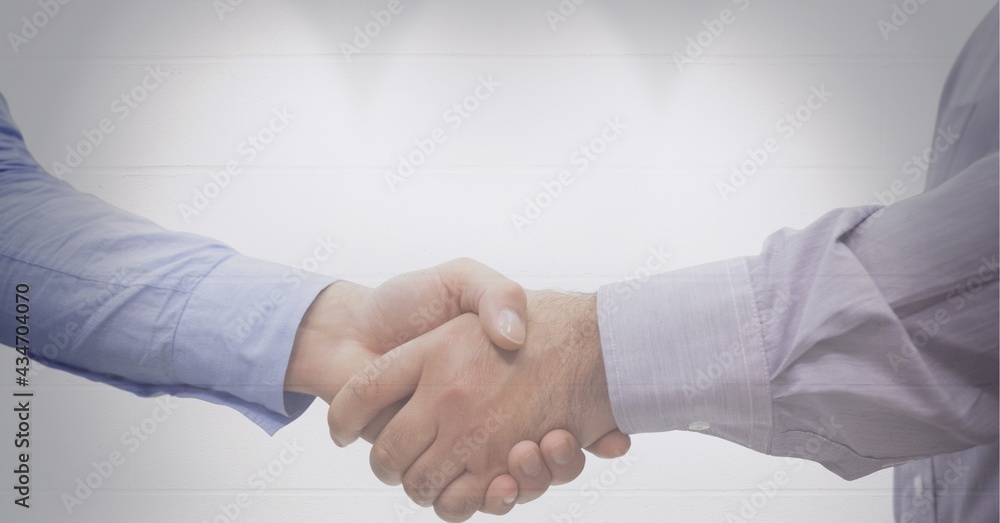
{"type": "Point", "coordinates": [315, 365]}
{"type": "Point", "coordinates": [564, 327]}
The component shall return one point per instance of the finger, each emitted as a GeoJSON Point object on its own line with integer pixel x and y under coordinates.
{"type": "Point", "coordinates": [372, 431]}
{"type": "Point", "coordinates": [390, 378]}
{"type": "Point", "coordinates": [611, 445]}
{"type": "Point", "coordinates": [432, 472]}
{"type": "Point", "coordinates": [500, 496]}
{"type": "Point", "coordinates": [500, 302]}
{"type": "Point", "coordinates": [404, 439]}
{"type": "Point", "coordinates": [461, 498]}
{"type": "Point", "coordinates": [563, 456]}
{"type": "Point", "coordinates": [526, 465]}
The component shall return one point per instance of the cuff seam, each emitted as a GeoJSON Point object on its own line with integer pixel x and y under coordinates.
{"type": "Point", "coordinates": [759, 333]}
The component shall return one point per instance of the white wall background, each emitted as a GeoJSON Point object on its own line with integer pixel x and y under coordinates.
{"type": "Point", "coordinates": [324, 176]}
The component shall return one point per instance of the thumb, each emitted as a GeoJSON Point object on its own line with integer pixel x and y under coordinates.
{"type": "Point", "coordinates": [500, 302]}
{"type": "Point", "coordinates": [611, 445]}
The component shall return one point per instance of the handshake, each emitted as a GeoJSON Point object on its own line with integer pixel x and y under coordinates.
{"type": "Point", "coordinates": [474, 393]}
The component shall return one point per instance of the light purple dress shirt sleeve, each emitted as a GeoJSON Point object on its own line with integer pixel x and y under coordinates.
{"type": "Point", "coordinates": [118, 299]}
{"type": "Point", "coordinates": [867, 340]}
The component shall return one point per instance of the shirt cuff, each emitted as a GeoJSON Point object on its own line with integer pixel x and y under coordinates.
{"type": "Point", "coordinates": [236, 333]}
{"type": "Point", "coordinates": [684, 351]}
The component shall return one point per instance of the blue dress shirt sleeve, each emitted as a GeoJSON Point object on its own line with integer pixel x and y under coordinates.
{"type": "Point", "coordinates": [118, 299]}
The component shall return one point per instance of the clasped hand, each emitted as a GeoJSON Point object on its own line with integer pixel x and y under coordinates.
{"type": "Point", "coordinates": [468, 406]}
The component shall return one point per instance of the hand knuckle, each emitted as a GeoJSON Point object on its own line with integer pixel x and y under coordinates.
{"type": "Point", "coordinates": [464, 262]}
{"type": "Point", "coordinates": [384, 457]}
{"type": "Point", "coordinates": [363, 387]}
{"type": "Point", "coordinates": [421, 491]}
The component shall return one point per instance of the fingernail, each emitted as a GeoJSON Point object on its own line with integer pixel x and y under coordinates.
{"type": "Point", "coordinates": [562, 453]}
{"type": "Point", "coordinates": [531, 465]}
{"type": "Point", "coordinates": [511, 326]}
{"type": "Point", "coordinates": [342, 441]}
{"type": "Point", "coordinates": [509, 500]}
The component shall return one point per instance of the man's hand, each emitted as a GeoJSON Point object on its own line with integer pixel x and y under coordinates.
{"type": "Point", "coordinates": [349, 326]}
{"type": "Point", "coordinates": [470, 405]}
